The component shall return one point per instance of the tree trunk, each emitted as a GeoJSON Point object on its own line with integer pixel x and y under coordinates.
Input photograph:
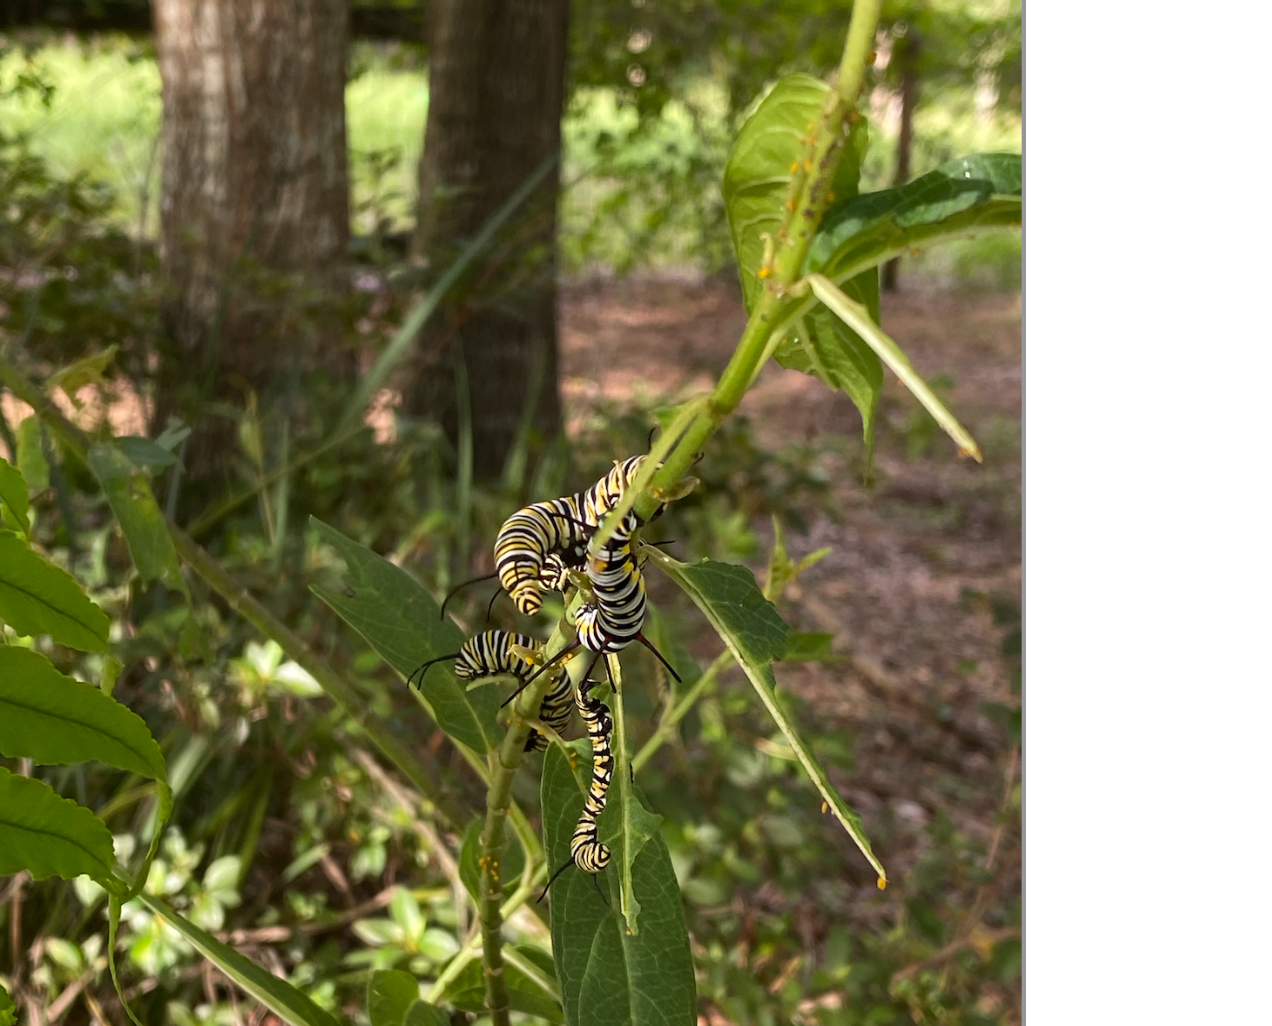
{"type": "Point", "coordinates": [906, 53]}
{"type": "Point", "coordinates": [255, 204]}
{"type": "Point", "coordinates": [496, 94]}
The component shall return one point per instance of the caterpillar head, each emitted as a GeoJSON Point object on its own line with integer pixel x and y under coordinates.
{"type": "Point", "coordinates": [526, 594]}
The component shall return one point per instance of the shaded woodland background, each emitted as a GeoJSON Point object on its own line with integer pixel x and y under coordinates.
{"type": "Point", "coordinates": [241, 204]}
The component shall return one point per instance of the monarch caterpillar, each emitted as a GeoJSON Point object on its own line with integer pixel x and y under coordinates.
{"type": "Point", "coordinates": [586, 850]}
{"type": "Point", "coordinates": [616, 616]}
{"type": "Point", "coordinates": [538, 543]}
{"type": "Point", "coordinates": [491, 653]}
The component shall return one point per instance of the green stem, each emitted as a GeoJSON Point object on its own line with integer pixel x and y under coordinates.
{"type": "Point", "coordinates": [808, 202]}
{"type": "Point", "coordinates": [673, 714]}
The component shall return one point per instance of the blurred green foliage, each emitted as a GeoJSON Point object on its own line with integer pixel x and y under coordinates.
{"type": "Point", "coordinates": [284, 839]}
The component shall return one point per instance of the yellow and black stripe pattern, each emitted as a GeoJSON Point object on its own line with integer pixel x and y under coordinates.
{"type": "Point", "coordinates": [491, 653]}
{"type": "Point", "coordinates": [615, 619]}
{"type": "Point", "coordinates": [538, 543]}
{"type": "Point", "coordinates": [587, 852]}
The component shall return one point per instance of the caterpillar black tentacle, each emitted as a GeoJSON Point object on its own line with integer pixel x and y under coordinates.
{"type": "Point", "coordinates": [491, 653]}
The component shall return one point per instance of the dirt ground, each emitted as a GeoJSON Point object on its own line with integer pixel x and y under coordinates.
{"type": "Point", "coordinates": [919, 561]}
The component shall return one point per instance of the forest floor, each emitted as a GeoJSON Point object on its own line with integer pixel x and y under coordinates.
{"type": "Point", "coordinates": [922, 587]}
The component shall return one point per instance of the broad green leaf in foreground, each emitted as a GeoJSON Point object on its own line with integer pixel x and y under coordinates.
{"type": "Point", "coordinates": [608, 976]}
{"type": "Point", "coordinates": [390, 994]}
{"type": "Point", "coordinates": [961, 198]}
{"type": "Point", "coordinates": [279, 996]}
{"type": "Point", "coordinates": [37, 597]}
{"type": "Point", "coordinates": [13, 493]}
{"type": "Point", "coordinates": [8, 1015]}
{"type": "Point", "coordinates": [56, 720]}
{"type": "Point", "coordinates": [133, 503]}
{"type": "Point", "coordinates": [468, 990]}
{"type": "Point", "coordinates": [49, 835]}
{"type": "Point", "coordinates": [855, 315]}
{"type": "Point", "coordinates": [734, 611]}
{"type": "Point", "coordinates": [767, 157]}
{"type": "Point", "coordinates": [625, 824]}
{"type": "Point", "coordinates": [399, 618]}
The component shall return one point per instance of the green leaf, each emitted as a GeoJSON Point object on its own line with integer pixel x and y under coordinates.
{"type": "Point", "coordinates": [85, 371]}
{"type": "Point", "coordinates": [49, 835]}
{"type": "Point", "coordinates": [738, 602]}
{"type": "Point", "coordinates": [808, 647]}
{"type": "Point", "coordinates": [510, 868]}
{"type": "Point", "coordinates": [735, 626]}
{"type": "Point", "coordinates": [30, 456]}
{"type": "Point", "coordinates": [757, 184]}
{"type": "Point", "coordinates": [279, 996]}
{"type": "Point", "coordinates": [608, 976]}
{"type": "Point", "coordinates": [53, 719]}
{"type": "Point", "coordinates": [761, 168]}
{"type": "Point", "coordinates": [890, 353]}
{"type": "Point", "coordinates": [390, 995]}
{"type": "Point", "coordinates": [133, 503]}
{"type": "Point", "coordinates": [467, 991]}
{"type": "Point", "coordinates": [145, 452]}
{"type": "Point", "coordinates": [8, 1014]}
{"type": "Point", "coordinates": [821, 345]}
{"type": "Point", "coordinates": [399, 618]}
{"type": "Point", "coordinates": [13, 493]}
{"type": "Point", "coordinates": [423, 1014]}
{"type": "Point", "coordinates": [38, 598]}
{"type": "Point", "coordinates": [959, 199]}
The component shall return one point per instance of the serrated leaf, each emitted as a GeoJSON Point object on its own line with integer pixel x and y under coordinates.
{"type": "Point", "coordinates": [390, 995]}
{"type": "Point", "coordinates": [48, 717]}
{"type": "Point", "coordinates": [30, 456]}
{"type": "Point", "coordinates": [399, 618]}
{"type": "Point", "coordinates": [37, 598]}
{"type": "Point", "coordinates": [133, 503]}
{"type": "Point", "coordinates": [8, 1014]}
{"type": "Point", "coordinates": [279, 996]}
{"type": "Point", "coordinates": [48, 835]}
{"type": "Point", "coordinates": [512, 865]}
{"type": "Point", "coordinates": [13, 493]}
{"type": "Point", "coordinates": [757, 184]}
{"type": "Point", "coordinates": [960, 198]}
{"type": "Point", "coordinates": [84, 371]}
{"type": "Point", "coordinates": [467, 991]}
{"type": "Point", "coordinates": [608, 976]}
{"type": "Point", "coordinates": [720, 608]}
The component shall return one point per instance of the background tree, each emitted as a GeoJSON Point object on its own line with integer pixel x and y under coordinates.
{"type": "Point", "coordinates": [486, 133]}
{"type": "Point", "coordinates": [255, 208]}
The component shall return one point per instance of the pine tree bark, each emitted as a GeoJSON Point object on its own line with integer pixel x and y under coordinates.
{"type": "Point", "coordinates": [254, 207]}
{"type": "Point", "coordinates": [496, 95]}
